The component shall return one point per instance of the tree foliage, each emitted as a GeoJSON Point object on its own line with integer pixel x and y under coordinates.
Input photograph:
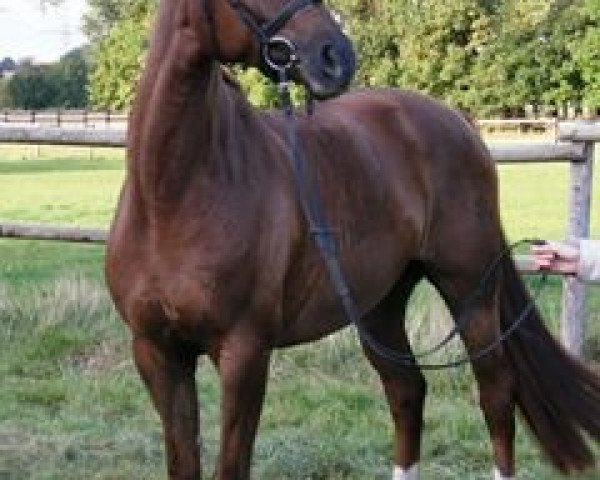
{"type": "Point", "coordinates": [61, 85]}
{"type": "Point", "coordinates": [487, 56]}
{"type": "Point", "coordinates": [71, 77]}
{"type": "Point", "coordinates": [586, 54]}
{"type": "Point", "coordinates": [118, 59]}
{"type": "Point", "coordinates": [32, 88]}
{"type": "Point", "coordinates": [4, 95]}
{"type": "Point", "coordinates": [118, 54]}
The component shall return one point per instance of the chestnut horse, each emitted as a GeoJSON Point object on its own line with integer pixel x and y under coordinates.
{"type": "Point", "coordinates": [210, 253]}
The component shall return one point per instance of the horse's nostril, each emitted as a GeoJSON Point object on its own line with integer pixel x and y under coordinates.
{"type": "Point", "coordinates": [331, 61]}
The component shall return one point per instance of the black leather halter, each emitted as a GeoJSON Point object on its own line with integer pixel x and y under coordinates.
{"type": "Point", "coordinates": [266, 32]}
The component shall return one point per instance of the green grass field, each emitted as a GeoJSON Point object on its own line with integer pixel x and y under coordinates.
{"type": "Point", "coordinates": [72, 406]}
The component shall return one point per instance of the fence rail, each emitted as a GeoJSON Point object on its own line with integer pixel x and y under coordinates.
{"type": "Point", "coordinates": [47, 232]}
{"type": "Point", "coordinates": [519, 126]}
{"type": "Point", "coordinates": [97, 119]}
{"type": "Point", "coordinates": [502, 152]}
{"type": "Point", "coordinates": [575, 143]}
{"type": "Point", "coordinates": [36, 231]}
{"type": "Point", "coordinates": [84, 118]}
{"type": "Point", "coordinates": [63, 136]}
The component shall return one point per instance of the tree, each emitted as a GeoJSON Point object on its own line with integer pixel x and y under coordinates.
{"type": "Point", "coordinates": [491, 57]}
{"type": "Point", "coordinates": [118, 57]}
{"type": "Point", "coordinates": [102, 15]}
{"type": "Point", "coordinates": [442, 47]}
{"type": "Point", "coordinates": [61, 85]}
{"type": "Point", "coordinates": [586, 55]}
{"type": "Point", "coordinates": [32, 88]}
{"type": "Point", "coordinates": [119, 32]}
{"type": "Point", "coordinates": [427, 45]}
{"type": "Point", "coordinates": [529, 61]}
{"type": "Point", "coordinates": [71, 77]}
{"type": "Point", "coordinates": [5, 101]}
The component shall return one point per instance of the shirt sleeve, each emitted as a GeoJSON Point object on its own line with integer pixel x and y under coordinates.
{"type": "Point", "coordinates": [589, 260]}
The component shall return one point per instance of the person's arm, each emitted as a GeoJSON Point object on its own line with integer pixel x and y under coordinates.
{"type": "Point", "coordinates": [556, 257]}
{"type": "Point", "coordinates": [589, 260]}
{"type": "Point", "coordinates": [581, 258]}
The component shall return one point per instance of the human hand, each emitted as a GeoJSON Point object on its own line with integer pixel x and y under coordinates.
{"type": "Point", "coordinates": [556, 257]}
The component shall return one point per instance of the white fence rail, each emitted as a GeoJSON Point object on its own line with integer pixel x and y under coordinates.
{"type": "Point", "coordinates": [575, 143]}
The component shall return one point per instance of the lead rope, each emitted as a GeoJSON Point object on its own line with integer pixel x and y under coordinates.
{"type": "Point", "coordinates": [325, 239]}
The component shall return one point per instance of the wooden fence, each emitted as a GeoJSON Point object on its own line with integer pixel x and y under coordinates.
{"type": "Point", "coordinates": [575, 143]}
{"type": "Point", "coordinates": [109, 119]}
{"type": "Point", "coordinates": [59, 118]}
{"type": "Point", "coordinates": [519, 126]}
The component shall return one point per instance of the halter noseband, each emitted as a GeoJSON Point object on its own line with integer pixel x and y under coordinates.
{"type": "Point", "coordinates": [266, 32]}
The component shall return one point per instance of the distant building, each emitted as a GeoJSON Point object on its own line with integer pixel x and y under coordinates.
{"type": "Point", "coordinates": [8, 67]}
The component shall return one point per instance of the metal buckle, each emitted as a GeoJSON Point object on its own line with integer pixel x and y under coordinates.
{"type": "Point", "coordinates": [290, 53]}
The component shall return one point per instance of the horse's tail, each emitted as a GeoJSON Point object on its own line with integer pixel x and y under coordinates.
{"type": "Point", "coordinates": [558, 396]}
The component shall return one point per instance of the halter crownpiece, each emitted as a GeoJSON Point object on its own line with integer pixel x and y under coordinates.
{"type": "Point", "coordinates": [270, 28]}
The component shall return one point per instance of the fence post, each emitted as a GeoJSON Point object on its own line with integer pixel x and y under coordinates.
{"type": "Point", "coordinates": [573, 306]}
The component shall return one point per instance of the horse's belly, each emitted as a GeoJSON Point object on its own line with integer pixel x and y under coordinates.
{"type": "Point", "coordinates": [372, 268]}
{"type": "Point", "coordinates": [319, 319]}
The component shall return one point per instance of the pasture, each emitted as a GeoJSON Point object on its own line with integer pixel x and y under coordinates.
{"type": "Point", "coordinates": [73, 407]}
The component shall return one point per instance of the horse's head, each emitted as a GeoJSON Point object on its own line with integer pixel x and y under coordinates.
{"type": "Point", "coordinates": [298, 36]}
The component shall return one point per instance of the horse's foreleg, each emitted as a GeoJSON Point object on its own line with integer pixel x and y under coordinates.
{"type": "Point", "coordinates": [243, 363]}
{"type": "Point", "coordinates": [405, 388]}
{"type": "Point", "coordinates": [169, 374]}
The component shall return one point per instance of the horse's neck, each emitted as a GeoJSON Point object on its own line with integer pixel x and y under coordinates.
{"type": "Point", "coordinates": [181, 115]}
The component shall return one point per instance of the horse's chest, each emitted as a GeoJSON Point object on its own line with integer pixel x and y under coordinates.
{"type": "Point", "coordinates": [187, 291]}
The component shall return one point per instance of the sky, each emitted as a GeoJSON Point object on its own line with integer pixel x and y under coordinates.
{"type": "Point", "coordinates": [26, 30]}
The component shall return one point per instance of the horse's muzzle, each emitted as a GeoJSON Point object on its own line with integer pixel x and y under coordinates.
{"type": "Point", "coordinates": [328, 69]}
